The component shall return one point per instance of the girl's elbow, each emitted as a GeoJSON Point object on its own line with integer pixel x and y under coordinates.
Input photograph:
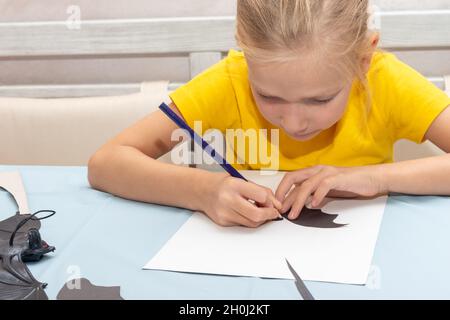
{"type": "Point", "coordinates": [95, 165]}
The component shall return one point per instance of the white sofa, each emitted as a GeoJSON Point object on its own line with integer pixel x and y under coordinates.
{"type": "Point", "coordinates": [68, 131]}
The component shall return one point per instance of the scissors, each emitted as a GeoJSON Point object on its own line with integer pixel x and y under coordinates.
{"type": "Point", "coordinates": [301, 287]}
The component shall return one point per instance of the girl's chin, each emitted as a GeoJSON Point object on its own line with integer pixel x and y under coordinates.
{"type": "Point", "coordinates": [305, 137]}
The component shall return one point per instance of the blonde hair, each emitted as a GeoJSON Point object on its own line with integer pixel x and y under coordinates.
{"type": "Point", "coordinates": [276, 31]}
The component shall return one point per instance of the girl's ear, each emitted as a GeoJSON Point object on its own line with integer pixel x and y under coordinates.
{"type": "Point", "coordinates": [374, 40]}
{"type": "Point", "coordinates": [366, 60]}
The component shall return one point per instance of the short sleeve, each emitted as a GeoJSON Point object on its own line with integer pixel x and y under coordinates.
{"type": "Point", "coordinates": [412, 102]}
{"type": "Point", "coordinates": [210, 98]}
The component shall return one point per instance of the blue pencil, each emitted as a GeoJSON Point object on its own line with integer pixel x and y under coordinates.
{"type": "Point", "coordinates": [199, 140]}
{"type": "Point", "coordinates": [205, 145]}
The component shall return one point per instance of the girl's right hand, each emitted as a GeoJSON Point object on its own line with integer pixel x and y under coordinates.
{"type": "Point", "coordinates": [228, 203]}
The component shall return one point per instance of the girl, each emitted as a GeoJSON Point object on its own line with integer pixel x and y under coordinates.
{"type": "Point", "coordinates": [310, 69]}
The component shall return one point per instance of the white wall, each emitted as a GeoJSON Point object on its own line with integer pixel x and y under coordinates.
{"type": "Point", "coordinates": [38, 10]}
{"type": "Point", "coordinates": [412, 4]}
{"type": "Point", "coordinates": [137, 69]}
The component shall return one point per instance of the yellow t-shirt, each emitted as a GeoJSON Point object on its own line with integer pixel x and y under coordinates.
{"type": "Point", "coordinates": [403, 106]}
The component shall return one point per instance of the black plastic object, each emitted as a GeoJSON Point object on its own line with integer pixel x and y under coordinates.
{"type": "Point", "coordinates": [21, 242]}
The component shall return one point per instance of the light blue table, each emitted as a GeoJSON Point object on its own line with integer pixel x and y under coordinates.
{"type": "Point", "coordinates": [108, 239]}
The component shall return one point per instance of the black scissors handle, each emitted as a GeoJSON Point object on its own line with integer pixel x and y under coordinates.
{"type": "Point", "coordinates": [301, 287]}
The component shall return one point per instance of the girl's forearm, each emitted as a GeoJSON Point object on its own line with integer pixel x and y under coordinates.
{"type": "Point", "coordinates": [129, 173]}
{"type": "Point", "coordinates": [428, 176]}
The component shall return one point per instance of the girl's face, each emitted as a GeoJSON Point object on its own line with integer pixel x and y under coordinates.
{"type": "Point", "coordinates": [303, 97]}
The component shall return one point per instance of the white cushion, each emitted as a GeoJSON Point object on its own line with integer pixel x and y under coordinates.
{"type": "Point", "coordinates": [68, 131]}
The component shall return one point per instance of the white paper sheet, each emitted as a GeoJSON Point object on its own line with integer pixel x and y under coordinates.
{"type": "Point", "coordinates": [12, 182]}
{"type": "Point", "coordinates": [340, 255]}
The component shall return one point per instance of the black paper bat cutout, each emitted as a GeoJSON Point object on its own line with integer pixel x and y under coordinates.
{"type": "Point", "coordinates": [21, 242]}
{"type": "Point", "coordinates": [315, 218]}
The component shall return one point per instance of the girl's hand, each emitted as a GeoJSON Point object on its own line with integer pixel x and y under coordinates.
{"type": "Point", "coordinates": [313, 184]}
{"type": "Point", "coordinates": [227, 203]}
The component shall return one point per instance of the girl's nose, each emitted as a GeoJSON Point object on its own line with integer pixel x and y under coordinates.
{"type": "Point", "coordinates": [294, 120]}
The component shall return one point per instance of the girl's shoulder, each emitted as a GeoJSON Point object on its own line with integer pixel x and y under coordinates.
{"type": "Point", "coordinates": [236, 64]}
{"type": "Point", "coordinates": [384, 62]}
{"type": "Point", "coordinates": [406, 99]}
{"type": "Point", "coordinates": [388, 72]}
{"type": "Point", "coordinates": [236, 56]}
{"type": "Point", "coordinates": [230, 68]}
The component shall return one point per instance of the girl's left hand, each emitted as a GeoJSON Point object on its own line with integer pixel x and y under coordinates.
{"type": "Point", "coordinates": [317, 182]}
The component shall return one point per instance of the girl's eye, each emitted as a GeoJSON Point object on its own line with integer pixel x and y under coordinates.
{"type": "Point", "coordinates": [312, 101]}
{"type": "Point", "coordinates": [270, 99]}
{"type": "Point", "coordinates": [266, 97]}
{"type": "Point", "coordinates": [324, 101]}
